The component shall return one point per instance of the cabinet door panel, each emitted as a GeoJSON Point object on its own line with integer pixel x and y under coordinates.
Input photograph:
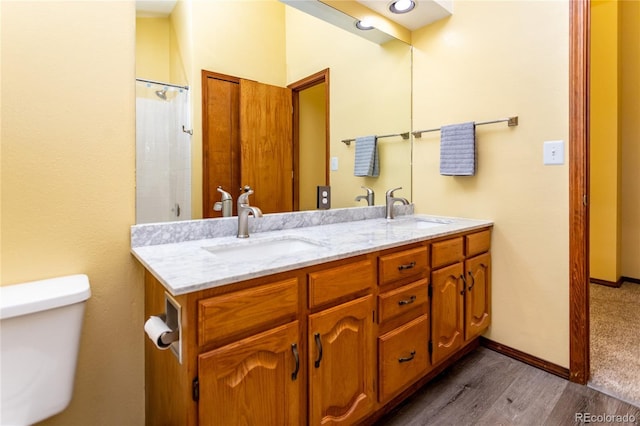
{"type": "Point", "coordinates": [341, 363]}
{"type": "Point", "coordinates": [447, 311]}
{"type": "Point", "coordinates": [478, 295]}
{"type": "Point", "coordinates": [250, 382]}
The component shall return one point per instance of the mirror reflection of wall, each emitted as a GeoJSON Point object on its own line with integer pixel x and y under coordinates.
{"type": "Point", "coordinates": [271, 43]}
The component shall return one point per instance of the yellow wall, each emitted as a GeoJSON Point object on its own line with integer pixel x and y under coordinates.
{"type": "Point", "coordinates": [312, 144]}
{"type": "Point", "coordinates": [244, 39]}
{"type": "Point", "coordinates": [630, 131]}
{"type": "Point", "coordinates": [491, 60]}
{"type": "Point", "coordinates": [68, 184]}
{"type": "Point", "coordinates": [605, 211]}
{"type": "Point", "coordinates": [364, 100]}
{"type": "Point", "coordinates": [153, 49]}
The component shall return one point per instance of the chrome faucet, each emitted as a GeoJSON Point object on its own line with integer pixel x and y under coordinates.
{"type": "Point", "coordinates": [391, 200]}
{"type": "Point", "coordinates": [369, 197]}
{"type": "Point", "coordinates": [244, 209]}
{"type": "Point", "coordinates": [225, 204]}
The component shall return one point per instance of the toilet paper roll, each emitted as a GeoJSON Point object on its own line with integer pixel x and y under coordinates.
{"type": "Point", "coordinates": [155, 328]}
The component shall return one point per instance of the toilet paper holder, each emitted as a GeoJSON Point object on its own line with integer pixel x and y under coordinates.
{"type": "Point", "coordinates": [172, 318]}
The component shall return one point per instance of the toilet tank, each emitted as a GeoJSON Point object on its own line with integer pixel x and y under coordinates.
{"type": "Point", "coordinates": [40, 327]}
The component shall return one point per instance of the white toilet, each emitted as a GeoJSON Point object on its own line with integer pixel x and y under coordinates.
{"type": "Point", "coordinates": [40, 325]}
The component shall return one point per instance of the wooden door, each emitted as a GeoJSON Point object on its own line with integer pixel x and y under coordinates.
{"type": "Point", "coordinates": [220, 139]}
{"type": "Point", "coordinates": [447, 314]}
{"type": "Point", "coordinates": [251, 382]}
{"type": "Point", "coordinates": [341, 363]}
{"type": "Point", "coordinates": [266, 145]}
{"type": "Point", "coordinates": [478, 295]}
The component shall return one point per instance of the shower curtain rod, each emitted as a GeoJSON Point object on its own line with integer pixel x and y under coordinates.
{"type": "Point", "coordinates": [162, 84]}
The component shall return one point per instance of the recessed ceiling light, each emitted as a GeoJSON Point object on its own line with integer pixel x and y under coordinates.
{"type": "Point", "coordinates": [402, 6]}
{"type": "Point", "coordinates": [364, 25]}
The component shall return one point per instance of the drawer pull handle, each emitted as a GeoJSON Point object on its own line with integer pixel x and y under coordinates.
{"type": "Point", "coordinates": [409, 358]}
{"type": "Point", "coordinates": [319, 345]}
{"type": "Point", "coordinates": [473, 280]}
{"type": "Point", "coordinates": [407, 266]}
{"type": "Point", "coordinates": [408, 301]}
{"type": "Point", "coordinates": [296, 357]}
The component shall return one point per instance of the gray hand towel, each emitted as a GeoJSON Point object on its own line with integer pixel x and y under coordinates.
{"type": "Point", "coordinates": [367, 162]}
{"type": "Point", "coordinates": [458, 149]}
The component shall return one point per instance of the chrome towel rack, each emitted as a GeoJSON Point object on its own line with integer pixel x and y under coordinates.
{"type": "Point", "coordinates": [511, 122]}
{"type": "Point", "coordinates": [404, 136]}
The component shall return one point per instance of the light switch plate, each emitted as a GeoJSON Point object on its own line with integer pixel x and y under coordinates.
{"type": "Point", "coordinates": [324, 197]}
{"type": "Point", "coordinates": [334, 164]}
{"type": "Point", "coordinates": [553, 152]}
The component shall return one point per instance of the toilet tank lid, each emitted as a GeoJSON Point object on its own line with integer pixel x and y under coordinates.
{"type": "Point", "coordinates": [35, 296]}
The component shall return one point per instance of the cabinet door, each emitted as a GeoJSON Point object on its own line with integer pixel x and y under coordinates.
{"type": "Point", "coordinates": [478, 295]}
{"type": "Point", "coordinates": [341, 363]}
{"type": "Point", "coordinates": [252, 381]}
{"type": "Point", "coordinates": [447, 311]}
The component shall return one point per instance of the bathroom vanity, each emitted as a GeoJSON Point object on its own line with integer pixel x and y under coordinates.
{"type": "Point", "coordinates": [337, 330]}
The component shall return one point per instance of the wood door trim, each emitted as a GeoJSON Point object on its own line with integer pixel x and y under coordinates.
{"type": "Point", "coordinates": [579, 32]}
{"type": "Point", "coordinates": [296, 87]}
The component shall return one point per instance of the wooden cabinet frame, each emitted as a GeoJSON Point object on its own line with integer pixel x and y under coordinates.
{"type": "Point", "coordinates": [345, 307]}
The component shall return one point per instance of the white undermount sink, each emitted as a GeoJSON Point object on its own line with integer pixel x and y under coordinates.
{"type": "Point", "coordinates": [277, 246]}
{"type": "Point", "coordinates": [417, 222]}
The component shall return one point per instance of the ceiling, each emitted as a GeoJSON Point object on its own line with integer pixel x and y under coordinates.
{"type": "Point", "coordinates": [425, 12]}
{"type": "Point", "coordinates": [154, 8]}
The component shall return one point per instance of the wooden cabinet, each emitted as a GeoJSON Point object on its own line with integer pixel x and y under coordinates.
{"type": "Point", "coordinates": [403, 315]}
{"type": "Point", "coordinates": [337, 343]}
{"type": "Point", "coordinates": [341, 363]}
{"type": "Point", "coordinates": [243, 312]}
{"type": "Point", "coordinates": [403, 356]}
{"type": "Point", "coordinates": [255, 381]}
{"type": "Point", "coordinates": [477, 310]}
{"type": "Point", "coordinates": [461, 292]}
{"type": "Point", "coordinates": [447, 311]}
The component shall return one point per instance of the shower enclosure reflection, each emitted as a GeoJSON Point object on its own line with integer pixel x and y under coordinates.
{"type": "Point", "coordinates": [163, 152]}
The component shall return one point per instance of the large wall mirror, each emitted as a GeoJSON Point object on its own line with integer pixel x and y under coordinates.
{"type": "Point", "coordinates": [368, 92]}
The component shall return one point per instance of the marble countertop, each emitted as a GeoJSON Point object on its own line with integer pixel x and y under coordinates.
{"type": "Point", "coordinates": [189, 266]}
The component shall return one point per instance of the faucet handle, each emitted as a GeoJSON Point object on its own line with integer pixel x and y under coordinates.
{"type": "Point", "coordinates": [224, 194]}
{"type": "Point", "coordinates": [244, 197]}
{"type": "Point", "coordinates": [390, 192]}
{"type": "Point", "coordinates": [366, 188]}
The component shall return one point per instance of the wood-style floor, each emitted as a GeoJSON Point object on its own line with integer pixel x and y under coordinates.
{"type": "Point", "coordinates": [487, 388]}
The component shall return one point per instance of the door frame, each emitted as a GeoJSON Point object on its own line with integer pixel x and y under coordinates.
{"type": "Point", "coordinates": [296, 87]}
{"type": "Point", "coordinates": [579, 66]}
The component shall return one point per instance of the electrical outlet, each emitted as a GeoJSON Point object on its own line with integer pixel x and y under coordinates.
{"type": "Point", "coordinates": [324, 197]}
{"type": "Point", "coordinates": [553, 152]}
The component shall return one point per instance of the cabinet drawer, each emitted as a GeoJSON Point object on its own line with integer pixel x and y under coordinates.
{"type": "Point", "coordinates": [334, 283]}
{"type": "Point", "coordinates": [447, 252]}
{"type": "Point", "coordinates": [250, 310]}
{"type": "Point", "coordinates": [403, 356]}
{"type": "Point", "coordinates": [478, 242]}
{"type": "Point", "coordinates": [407, 263]}
{"type": "Point", "coordinates": [401, 300]}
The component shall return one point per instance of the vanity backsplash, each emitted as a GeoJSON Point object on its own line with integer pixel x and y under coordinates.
{"type": "Point", "coordinates": [189, 230]}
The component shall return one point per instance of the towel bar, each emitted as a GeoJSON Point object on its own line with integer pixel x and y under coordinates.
{"type": "Point", "coordinates": [404, 136]}
{"type": "Point", "coordinates": [511, 122]}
